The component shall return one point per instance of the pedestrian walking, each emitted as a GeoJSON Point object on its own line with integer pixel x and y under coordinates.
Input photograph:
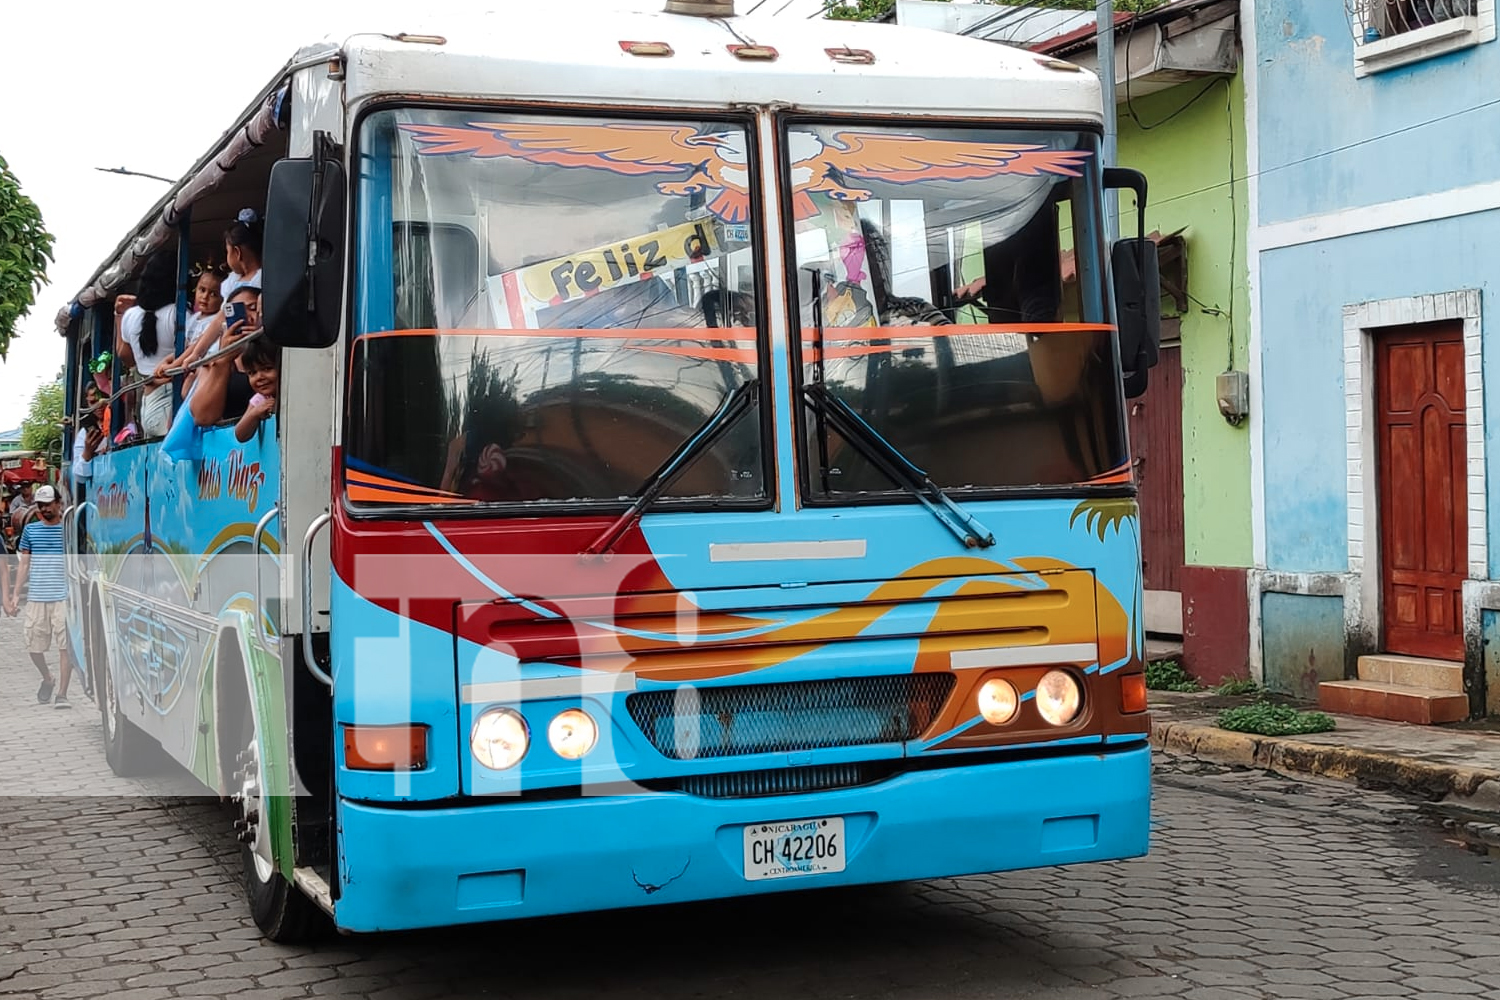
{"type": "Point", "coordinates": [46, 621]}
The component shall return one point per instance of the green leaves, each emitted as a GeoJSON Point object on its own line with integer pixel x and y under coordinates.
{"type": "Point", "coordinates": [1103, 515]}
{"type": "Point", "coordinates": [1267, 719]}
{"type": "Point", "coordinates": [25, 252]}
{"type": "Point", "coordinates": [858, 10]}
{"type": "Point", "coordinates": [42, 429]}
{"type": "Point", "coordinates": [1168, 675]}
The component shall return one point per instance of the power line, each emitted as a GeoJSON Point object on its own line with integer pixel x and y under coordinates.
{"type": "Point", "coordinates": [1330, 152]}
{"type": "Point", "coordinates": [134, 173]}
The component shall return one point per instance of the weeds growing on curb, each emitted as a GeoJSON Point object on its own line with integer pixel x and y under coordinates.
{"type": "Point", "coordinates": [1267, 719]}
{"type": "Point", "coordinates": [1237, 686]}
{"type": "Point", "coordinates": [1168, 675]}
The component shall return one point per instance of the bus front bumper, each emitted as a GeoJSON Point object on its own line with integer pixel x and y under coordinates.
{"type": "Point", "coordinates": [403, 868]}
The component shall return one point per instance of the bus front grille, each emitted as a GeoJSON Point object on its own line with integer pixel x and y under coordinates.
{"type": "Point", "coordinates": [782, 781]}
{"type": "Point", "coordinates": [691, 723]}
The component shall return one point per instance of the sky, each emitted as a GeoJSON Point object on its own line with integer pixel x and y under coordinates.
{"type": "Point", "coordinates": [150, 86]}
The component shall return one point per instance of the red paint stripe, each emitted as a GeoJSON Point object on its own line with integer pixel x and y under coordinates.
{"type": "Point", "coordinates": [513, 299]}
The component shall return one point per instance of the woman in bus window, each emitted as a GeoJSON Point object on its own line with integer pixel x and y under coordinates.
{"type": "Point", "coordinates": [146, 335]}
{"type": "Point", "coordinates": [223, 391]}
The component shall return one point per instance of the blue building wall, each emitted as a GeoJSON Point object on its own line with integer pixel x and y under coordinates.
{"type": "Point", "coordinates": [1311, 102]}
{"type": "Point", "coordinates": [1328, 141]}
{"type": "Point", "coordinates": [1303, 292]}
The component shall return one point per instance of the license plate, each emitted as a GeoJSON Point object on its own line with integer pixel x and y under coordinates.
{"type": "Point", "coordinates": [797, 847]}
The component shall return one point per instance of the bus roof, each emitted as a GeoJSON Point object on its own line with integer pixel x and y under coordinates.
{"type": "Point", "coordinates": [540, 52]}
{"type": "Point", "coordinates": [574, 54]}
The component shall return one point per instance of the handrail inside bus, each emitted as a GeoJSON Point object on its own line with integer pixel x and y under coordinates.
{"type": "Point", "coordinates": [69, 564]}
{"type": "Point", "coordinates": [319, 523]}
{"type": "Point", "coordinates": [260, 604]}
{"type": "Point", "coordinates": [175, 371]}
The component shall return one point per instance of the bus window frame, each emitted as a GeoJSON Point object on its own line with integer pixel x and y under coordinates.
{"type": "Point", "coordinates": [782, 123]}
{"type": "Point", "coordinates": [748, 119]}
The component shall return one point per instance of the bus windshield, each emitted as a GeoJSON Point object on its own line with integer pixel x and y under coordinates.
{"type": "Point", "coordinates": [548, 307]}
{"type": "Point", "coordinates": [952, 293]}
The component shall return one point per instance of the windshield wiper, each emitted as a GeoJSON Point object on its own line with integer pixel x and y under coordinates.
{"type": "Point", "coordinates": [896, 466]}
{"type": "Point", "coordinates": [735, 405]}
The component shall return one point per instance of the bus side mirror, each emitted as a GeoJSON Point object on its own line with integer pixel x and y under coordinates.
{"type": "Point", "coordinates": [1137, 287]}
{"type": "Point", "coordinates": [303, 260]}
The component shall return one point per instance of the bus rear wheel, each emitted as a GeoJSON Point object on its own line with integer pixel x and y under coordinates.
{"type": "Point", "coordinates": [279, 908]}
{"type": "Point", "coordinates": [125, 746]}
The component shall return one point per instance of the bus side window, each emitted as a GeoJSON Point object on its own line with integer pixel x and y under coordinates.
{"type": "Point", "coordinates": [437, 275]}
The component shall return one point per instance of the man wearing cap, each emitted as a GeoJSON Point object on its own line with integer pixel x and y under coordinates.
{"type": "Point", "coordinates": [46, 621]}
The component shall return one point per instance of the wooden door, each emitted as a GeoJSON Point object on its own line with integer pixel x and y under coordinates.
{"type": "Point", "coordinates": [1423, 513]}
{"type": "Point", "coordinates": [1156, 450]}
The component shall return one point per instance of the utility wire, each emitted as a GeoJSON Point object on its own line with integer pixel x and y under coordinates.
{"type": "Point", "coordinates": [1334, 150]}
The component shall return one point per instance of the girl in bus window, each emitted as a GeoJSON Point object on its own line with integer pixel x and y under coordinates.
{"type": "Point", "coordinates": [242, 247]}
{"type": "Point", "coordinates": [207, 299]}
{"type": "Point", "coordinates": [261, 363]}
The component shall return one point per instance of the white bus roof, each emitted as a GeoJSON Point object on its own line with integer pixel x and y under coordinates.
{"type": "Point", "coordinates": [544, 52]}
{"type": "Point", "coordinates": [572, 53]}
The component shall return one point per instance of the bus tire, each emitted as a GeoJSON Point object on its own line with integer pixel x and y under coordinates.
{"type": "Point", "coordinates": [278, 907]}
{"type": "Point", "coordinates": [125, 746]}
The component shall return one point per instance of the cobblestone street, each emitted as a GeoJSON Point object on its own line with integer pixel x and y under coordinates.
{"type": "Point", "coordinates": [1256, 887]}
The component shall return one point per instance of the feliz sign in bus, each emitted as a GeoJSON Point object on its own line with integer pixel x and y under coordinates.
{"type": "Point", "coordinates": [588, 272]}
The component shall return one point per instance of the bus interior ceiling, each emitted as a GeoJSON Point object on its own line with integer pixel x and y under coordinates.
{"type": "Point", "coordinates": [244, 187]}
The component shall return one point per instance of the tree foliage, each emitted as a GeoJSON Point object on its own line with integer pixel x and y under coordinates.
{"type": "Point", "coordinates": [25, 252]}
{"type": "Point", "coordinates": [874, 10]}
{"type": "Point", "coordinates": [858, 10]}
{"type": "Point", "coordinates": [42, 429]}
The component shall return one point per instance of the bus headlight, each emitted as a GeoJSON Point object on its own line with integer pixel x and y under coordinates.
{"type": "Point", "coordinates": [998, 701]}
{"type": "Point", "coordinates": [573, 734]}
{"type": "Point", "coordinates": [499, 739]}
{"type": "Point", "coordinates": [1059, 697]}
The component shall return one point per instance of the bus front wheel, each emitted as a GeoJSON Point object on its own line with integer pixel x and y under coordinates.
{"type": "Point", "coordinates": [280, 910]}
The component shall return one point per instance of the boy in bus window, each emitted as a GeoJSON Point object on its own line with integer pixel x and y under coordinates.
{"type": "Point", "coordinates": [261, 364]}
{"type": "Point", "coordinates": [89, 439]}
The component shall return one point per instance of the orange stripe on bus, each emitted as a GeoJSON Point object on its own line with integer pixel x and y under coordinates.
{"type": "Point", "coordinates": [704, 335]}
{"type": "Point", "coordinates": [367, 479]}
{"type": "Point", "coordinates": [848, 333]}
{"type": "Point", "coordinates": [357, 492]}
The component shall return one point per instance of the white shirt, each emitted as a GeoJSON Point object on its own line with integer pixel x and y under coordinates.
{"type": "Point", "coordinates": [232, 283]}
{"type": "Point", "coordinates": [197, 323]}
{"type": "Point", "coordinates": [166, 336]}
{"type": "Point", "coordinates": [82, 467]}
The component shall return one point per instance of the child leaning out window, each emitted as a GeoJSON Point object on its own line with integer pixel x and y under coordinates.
{"type": "Point", "coordinates": [261, 363]}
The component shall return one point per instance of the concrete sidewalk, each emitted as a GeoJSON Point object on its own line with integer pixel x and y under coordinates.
{"type": "Point", "coordinates": [1457, 767]}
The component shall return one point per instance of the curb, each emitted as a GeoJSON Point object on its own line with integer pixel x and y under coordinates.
{"type": "Point", "coordinates": [1429, 780]}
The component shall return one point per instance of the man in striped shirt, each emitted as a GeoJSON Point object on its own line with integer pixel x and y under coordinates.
{"type": "Point", "coordinates": [46, 621]}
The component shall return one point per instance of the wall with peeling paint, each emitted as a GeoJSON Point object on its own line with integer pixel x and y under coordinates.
{"type": "Point", "coordinates": [1312, 103]}
{"type": "Point", "coordinates": [1365, 192]}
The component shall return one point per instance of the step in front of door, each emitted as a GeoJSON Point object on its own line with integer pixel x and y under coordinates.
{"type": "Point", "coordinates": [1395, 702]}
{"type": "Point", "coordinates": [1413, 671]}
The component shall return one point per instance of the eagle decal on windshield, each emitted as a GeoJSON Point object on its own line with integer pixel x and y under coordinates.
{"type": "Point", "coordinates": [716, 164]}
